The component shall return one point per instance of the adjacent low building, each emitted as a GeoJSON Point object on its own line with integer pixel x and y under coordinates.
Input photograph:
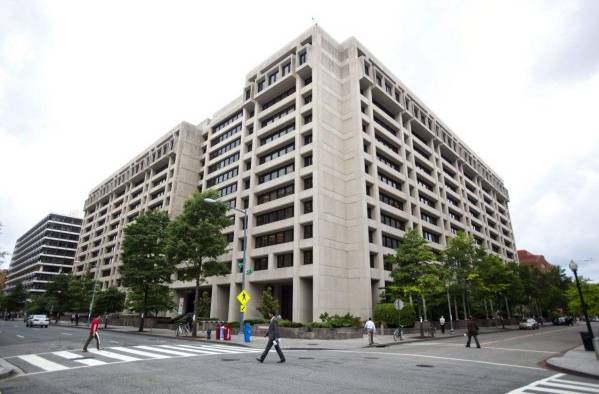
{"type": "Point", "coordinates": [334, 158]}
{"type": "Point", "coordinates": [536, 261]}
{"type": "Point", "coordinates": [46, 250]}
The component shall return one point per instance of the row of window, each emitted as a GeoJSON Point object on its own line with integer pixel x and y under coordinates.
{"type": "Point", "coordinates": [223, 177]}
{"type": "Point", "coordinates": [274, 238]}
{"type": "Point", "coordinates": [223, 163]}
{"type": "Point", "coordinates": [225, 148]}
{"type": "Point", "coordinates": [277, 134]}
{"type": "Point", "coordinates": [277, 153]}
{"type": "Point", "coordinates": [227, 190]}
{"type": "Point", "coordinates": [280, 97]}
{"type": "Point", "coordinates": [389, 181]}
{"type": "Point", "coordinates": [276, 173]}
{"type": "Point", "coordinates": [387, 199]}
{"type": "Point", "coordinates": [283, 260]}
{"type": "Point", "coordinates": [387, 161]}
{"type": "Point", "coordinates": [273, 118]}
{"type": "Point", "coordinates": [228, 121]}
{"type": "Point", "coordinates": [225, 135]}
{"type": "Point", "coordinates": [274, 216]}
{"type": "Point", "coordinates": [393, 222]}
{"type": "Point", "coordinates": [386, 143]}
{"type": "Point", "coordinates": [275, 194]}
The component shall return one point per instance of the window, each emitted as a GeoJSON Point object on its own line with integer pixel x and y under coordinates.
{"type": "Point", "coordinates": [276, 116]}
{"type": "Point", "coordinates": [307, 183]}
{"type": "Point", "coordinates": [425, 201]}
{"type": "Point", "coordinates": [277, 173]}
{"type": "Point", "coordinates": [308, 231]}
{"type": "Point", "coordinates": [308, 99]}
{"type": "Point", "coordinates": [278, 98]}
{"type": "Point", "coordinates": [230, 120]}
{"type": "Point", "coordinates": [308, 118]}
{"type": "Point", "coordinates": [393, 222]}
{"type": "Point", "coordinates": [308, 81]}
{"type": "Point", "coordinates": [390, 242]}
{"type": "Point", "coordinates": [260, 85]}
{"type": "Point", "coordinates": [302, 58]}
{"type": "Point", "coordinates": [260, 263]}
{"type": "Point", "coordinates": [389, 181]}
{"type": "Point", "coordinates": [372, 260]}
{"type": "Point", "coordinates": [277, 134]}
{"type": "Point", "coordinates": [274, 216]}
{"type": "Point", "coordinates": [428, 218]}
{"type": "Point", "coordinates": [384, 159]}
{"type": "Point", "coordinates": [272, 78]}
{"type": "Point", "coordinates": [286, 69]}
{"type": "Point", "coordinates": [285, 260]}
{"type": "Point", "coordinates": [227, 190]}
{"type": "Point", "coordinates": [308, 258]}
{"type": "Point", "coordinates": [224, 149]}
{"type": "Point", "coordinates": [223, 163]}
{"type": "Point", "coordinates": [430, 236]}
{"type": "Point", "coordinates": [277, 153]}
{"type": "Point", "coordinates": [274, 238]}
{"type": "Point", "coordinates": [225, 135]}
{"type": "Point", "coordinates": [391, 201]}
{"type": "Point", "coordinates": [275, 194]}
{"type": "Point", "coordinates": [223, 177]}
{"type": "Point", "coordinates": [307, 160]}
{"type": "Point", "coordinates": [307, 206]}
{"type": "Point", "coordinates": [386, 143]}
{"type": "Point", "coordinates": [308, 139]}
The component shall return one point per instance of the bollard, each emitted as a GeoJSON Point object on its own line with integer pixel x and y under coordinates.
{"type": "Point", "coordinates": [596, 346]}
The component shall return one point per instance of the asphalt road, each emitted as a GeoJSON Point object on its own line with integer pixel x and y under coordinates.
{"type": "Point", "coordinates": [508, 361]}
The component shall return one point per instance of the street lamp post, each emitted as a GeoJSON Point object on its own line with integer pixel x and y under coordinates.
{"type": "Point", "coordinates": [574, 267]}
{"type": "Point", "coordinates": [449, 306]}
{"type": "Point", "coordinates": [245, 247]}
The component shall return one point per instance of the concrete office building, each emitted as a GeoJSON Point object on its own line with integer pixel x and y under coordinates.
{"type": "Point", "coordinates": [334, 159]}
{"type": "Point", "coordinates": [46, 250]}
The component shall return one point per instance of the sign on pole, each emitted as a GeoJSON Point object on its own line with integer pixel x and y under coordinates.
{"type": "Point", "coordinates": [243, 297]}
{"type": "Point", "coordinates": [243, 308]}
{"type": "Point", "coordinates": [398, 304]}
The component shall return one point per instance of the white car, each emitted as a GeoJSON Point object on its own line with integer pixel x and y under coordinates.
{"type": "Point", "coordinates": [37, 320]}
{"type": "Point", "coordinates": [529, 324]}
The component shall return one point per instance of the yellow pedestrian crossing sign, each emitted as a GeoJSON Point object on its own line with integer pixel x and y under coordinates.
{"type": "Point", "coordinates": [243, 297]}
{"type": "Point", "coordinates": [243, 308]}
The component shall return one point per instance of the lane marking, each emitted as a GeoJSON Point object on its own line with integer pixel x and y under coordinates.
{"type": "Point", "coordinates": [21, 336]}
{"type": "Point", "coordinates": [445, 358]}
{"type": "Point", "coordinates": [42, 363]}
{"type": "Point", "coordinates": [91, 362]}
{"type": "Point", "coordinates": [579, 383]}
{"type": "Point", "coordinates": [66, 333]}
{"type": "Point", "coordinates": [238, 348]}
{"type": "Point", "coordinates": [156, 349]}
{"type": "Point", "coordinates": [484, 347]}
{"type": "Point", "coordinates": [189, 350]}
{"type": "Point", "coordinates": [559, 385]}
{"type": "Point", "coordinates": [111, 341]}
{"type": "Point", "coordinates": [530, 335]}
{"type": "Point", "coordinates": [116, 356]}
{"type": "Point", "coordinates": [140, 353]}
{"type": "Point", "coordinates": [68, 355]}
{"type": "Point", "coordinates": [219, 350]}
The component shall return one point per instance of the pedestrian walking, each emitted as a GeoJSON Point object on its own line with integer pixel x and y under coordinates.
{"type": "Point", "coordinates": [472, 332]}
{"type": "Point", "coordinates": [442, 324]}
{"type": "Point", "coordinates": [76, 319]}
{"type": "Point", "coordinates": [93, 333]}
{"type": "Point", "coordinates": [72, 319]}
{"type": "Point", "coordinates": [274, 338]}
{"type": "Point", "coordinates": [370, 330]}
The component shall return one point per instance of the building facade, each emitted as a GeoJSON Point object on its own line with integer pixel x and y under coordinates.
{"type": "Point", "coordinates": [334, 159]}
{"type": "Point", "coordinates": [536, 261]}
{"type": "Point", "coordinates": [46, 250]}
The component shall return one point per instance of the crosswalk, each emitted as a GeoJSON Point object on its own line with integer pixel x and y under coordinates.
{"type": "Point", "coordinates": [70, 359]}
{"type": "Point", "coordinates": [557, 384]}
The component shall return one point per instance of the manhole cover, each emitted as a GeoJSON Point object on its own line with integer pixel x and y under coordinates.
{"type": "Point", "coordinates": [229, 359]}
{"type": "Point", "coordinates": [306, 358]}
{"type": "Point", "coordinates": [372, 358]}
{"type": "Point", "coordinates": [424, 365]}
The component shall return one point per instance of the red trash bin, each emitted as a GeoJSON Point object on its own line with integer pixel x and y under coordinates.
{"type": "Point", "coordinates": [217, 331]}
{"type": "Point", "coordinates": [228, 330]}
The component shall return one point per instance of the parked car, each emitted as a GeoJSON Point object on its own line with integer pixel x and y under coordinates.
{"type": "Point", "coordinates": [529, 324]}
{"type": "Point", "coordinates": [37, 320]}
{"type": "Point", "coordinates": [562, 321]}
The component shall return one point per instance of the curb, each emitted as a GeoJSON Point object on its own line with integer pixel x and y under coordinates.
{"type": "Point", "coordinates": [428, 339]}
{"type": "Point", "coordinates": [7, 370]}
{"type": "Point", "coordinates": [548, 364]}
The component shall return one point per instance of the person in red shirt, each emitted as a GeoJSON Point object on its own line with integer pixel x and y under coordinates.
{"type": "Point", "coordinates": [93, 333]}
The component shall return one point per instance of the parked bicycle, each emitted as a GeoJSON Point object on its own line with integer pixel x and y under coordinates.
{"type": "Point", "coordinates": [183, 330]}
{"type": "Point", "coordinates": [398, 334]}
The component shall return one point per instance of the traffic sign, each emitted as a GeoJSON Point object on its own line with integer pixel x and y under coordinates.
{"type": "Point", "coordinates": [243, 297]}
{"type": "Point", "coordinates": [243, 308]}
{"type": "Point", "coordinates": [249, 271]}
{"type": "Point", "coordinates": [398, 304]}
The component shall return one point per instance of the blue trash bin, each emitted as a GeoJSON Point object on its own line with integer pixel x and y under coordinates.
{"type": "Point", "coordinates": [247, 332]}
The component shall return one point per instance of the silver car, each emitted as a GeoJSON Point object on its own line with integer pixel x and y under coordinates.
{"type": "Point", "coordinates": [529, 324]}
{"type": "Point", "coordinates": [37, 320]}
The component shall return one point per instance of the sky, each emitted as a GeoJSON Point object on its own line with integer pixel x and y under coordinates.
{"type": "Point", "coordinates": [87, 85]}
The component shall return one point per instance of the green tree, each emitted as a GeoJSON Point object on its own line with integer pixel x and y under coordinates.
{"type": "Point", "coordinates": [109, 301]}
{"type": "Point", "coordinates": [145, 269]}
{"type": "Point", "coordinates": [59, 296]}
{"type": "Point", "coordinates": [195, 240]}
{"type": "Point", "coordinates": [204, 309]}
{"type": "Point", "coordinates": [460, 257]}
{"type": "Point", "coordinates": [158, 298]}
{"type": "Point", "coordinates": [16, 299]}
{"type": "Point", "coordinates": [269, 305]}
{"type": "Point", "coordinates": [80, 292]}
{"type": "Point", "coordinates": [413, 271]}
{"type": "Point", "coordinates": [39, 304]}
{"type": "Point", "coordinates": [590, 292]}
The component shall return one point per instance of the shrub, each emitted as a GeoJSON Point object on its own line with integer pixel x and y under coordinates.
{"type": "Point", "coordinates": [317, 324]}
{"type": "Point", "coordinates": [287, 323]}
{"type": "Point", "coordinates": [388, 314]}
{"type": "Point", "coordinates": [338, 321]}
{"type": "Point", "coordinates": [407, 316]}
{"type": "Point", "coordinates": [256, 321]}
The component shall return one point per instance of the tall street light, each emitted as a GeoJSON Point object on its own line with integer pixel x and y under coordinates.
{"type": "Point", "coordinates": [245, 248]}
{"type": "Point", "coordinates": [574, 267]}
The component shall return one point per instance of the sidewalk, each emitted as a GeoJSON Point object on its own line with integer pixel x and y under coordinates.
{"type": "Point", "coordinates": [576, 361]}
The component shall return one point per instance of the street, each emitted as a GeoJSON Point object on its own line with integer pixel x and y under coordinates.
{"type": "Point", "coordinates": [52, 362]}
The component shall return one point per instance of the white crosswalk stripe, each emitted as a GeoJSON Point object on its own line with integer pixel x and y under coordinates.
{"type": "Point", "coordinates": [64, 360]}
{"type": "Point", "coordinates": [555, 384]}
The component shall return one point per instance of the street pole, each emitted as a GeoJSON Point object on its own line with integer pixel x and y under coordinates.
{"type": "Point", "coordinates": [243, 270]}
{"type": "Point", "coordinates": [574, 268]}
{"type": "Point", "coordinates": [449, 305]}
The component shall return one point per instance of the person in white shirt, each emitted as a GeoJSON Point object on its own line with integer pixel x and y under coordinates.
{"type": "Point", "coordinates": [442, 324]}
{"type": "Point", "coordinates": [370, 329]}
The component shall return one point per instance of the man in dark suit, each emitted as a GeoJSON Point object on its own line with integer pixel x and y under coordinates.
{"type": "Point", "coordinates": [273, 338]}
